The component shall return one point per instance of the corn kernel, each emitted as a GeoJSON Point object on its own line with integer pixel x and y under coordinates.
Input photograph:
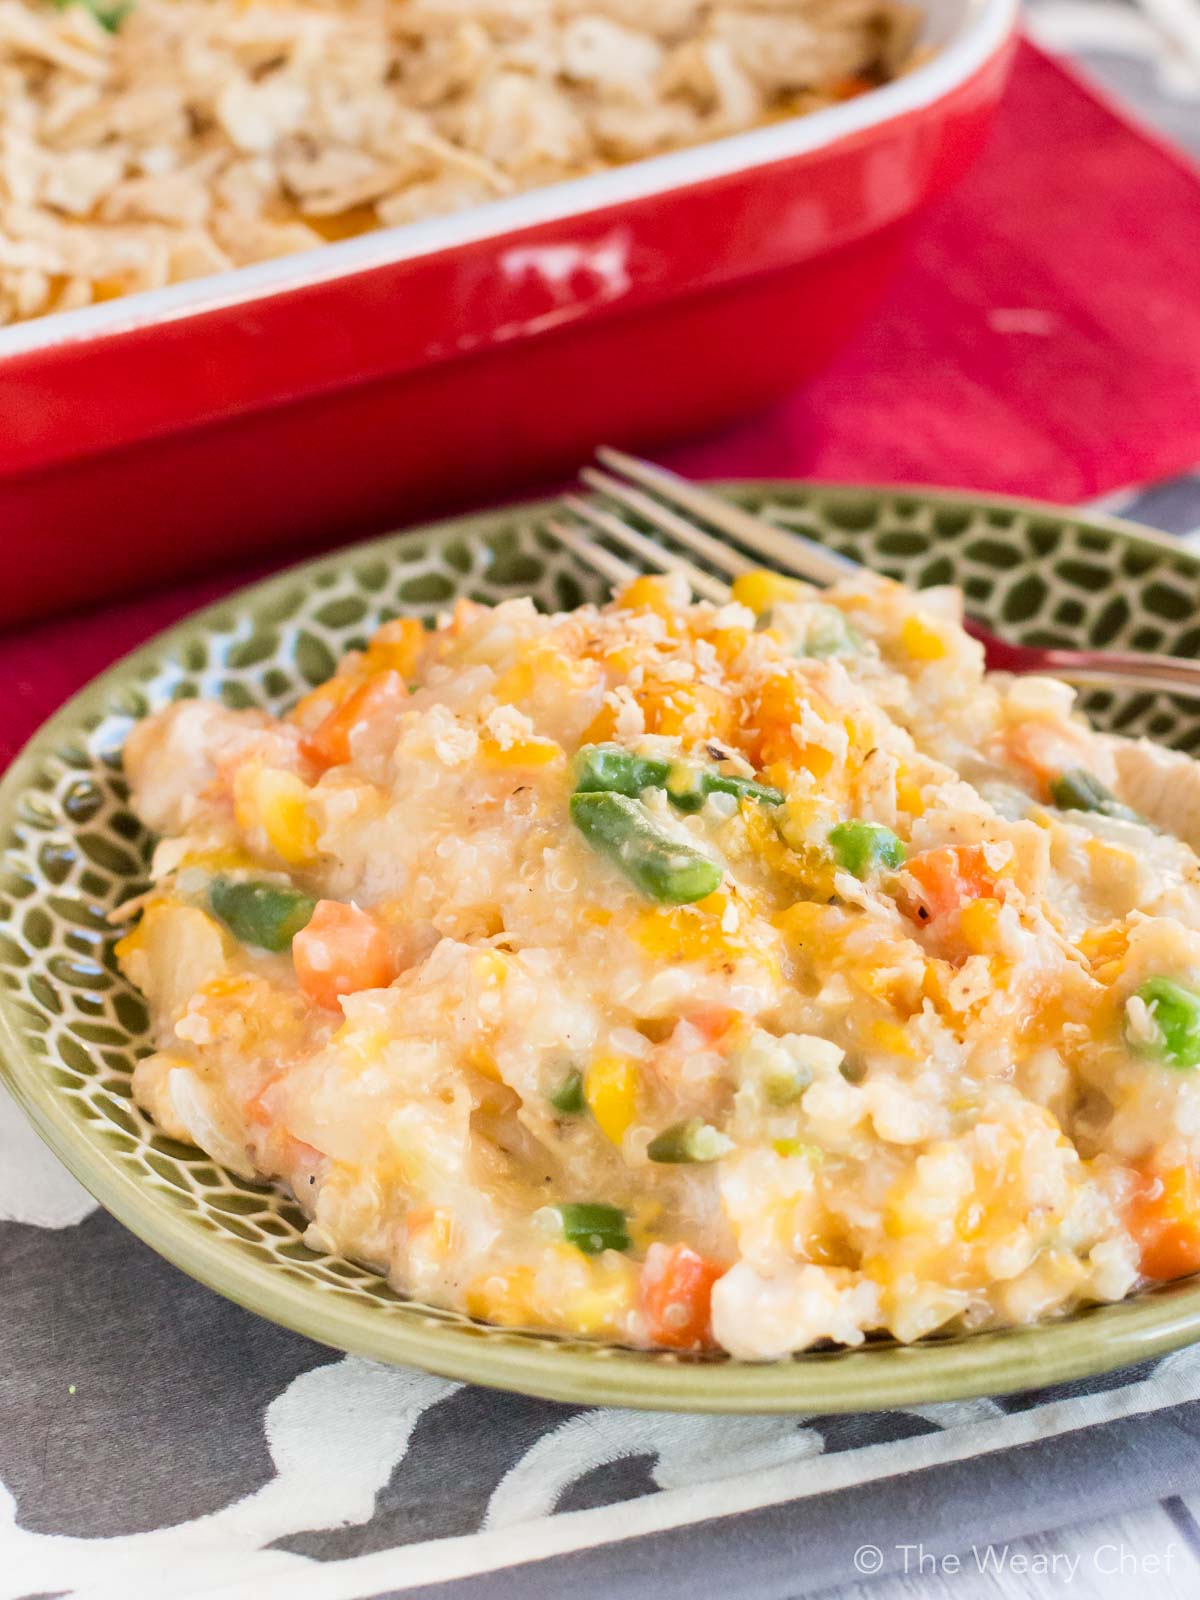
{"type": "Point", "coordinates": [491, 967]}
{"type": "Point", "coordinates": [110, 288]}
{"type": "Point", "coordinates": [483, 1061]}
{"type": "Point", "coordinates": [810, 924]}
{"type": "Point", "coordinates": [276, 801]}
{"type": "Point", "coordinates": [892, 1037]}
{"type": "Point", "coordinates": [1117, 866]}
{"type": "Point", "coordinates": [610, 1089]}
{"type": "Point", "coordinates": [503, 1297]}
{"type": "Point", "coordinates": [650, 594]}
{"type": "Point", "coordinates": [760, 590]}
{"type": "Point", "coordinates": [921, 639]}
{"type": "Point", "coordinates": [806, 866]}
{"type": "Point", "coordinates": [515, 684]}
{"type": "Point", "coordinates": [432, 1228]}
{"type": "Point", "coordinates": [979, 925]}
{"type": "Point", "coordinates": [908, 793]}
{"type": "Point", "coordinates": [520, 753]}
{"type": "Point", "coordinates": [728, 643]}
{"type": "Point", "coordinates": [1105, 950]}
{"type": "Point", "coordinates": [602, 727]}
{"type": "Point", "coordinates": [600, 1307]}
{"type": "Point", "coordinates": [684, 933]}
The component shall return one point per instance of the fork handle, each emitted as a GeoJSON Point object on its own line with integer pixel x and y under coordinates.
{"type": "Point", "coordinates": [1099, 669]}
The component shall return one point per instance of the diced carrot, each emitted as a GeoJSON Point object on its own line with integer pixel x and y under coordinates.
{"type": "Point", "coordinates": [676, 1296]}
{"type": "Point", "coordinates": [308, 713]}
{"type": "Point", "coordinates": [1164, 1219]}
{"type": "Point", "coordinates": [342, 950]}
{"type": "Point", "coordinates": [602, 726]}
{"type": "Point", "coordinates": [949, 878]}
{"type": "Point", "coordinates": [256, 1109]}
{"type": "Point", "coordinates": [714, 1024]}
{"type": "Point", "coordinates": [776, 714]}
{"type": "Point", "coordinates": [329, 743]}
{"type": "Point", "coordinates": [696, 711]}
{"type": "Point", "coordinates": [464, 614]}
{"type": "Point", "coordinates": [1046, 749]}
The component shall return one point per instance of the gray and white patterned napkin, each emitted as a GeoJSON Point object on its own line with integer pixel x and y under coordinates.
{"type": "Point", "coordinates": [159, 1441]}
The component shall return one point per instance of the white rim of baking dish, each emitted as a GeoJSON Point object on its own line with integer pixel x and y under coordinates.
{"type": "Point", "coordinates": [980, 30]}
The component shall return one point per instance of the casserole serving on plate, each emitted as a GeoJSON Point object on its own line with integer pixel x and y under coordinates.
{"type": "Point", "coordinates": [78, 1047]}
{"type": "Point", "coordinates": [740, 974]}
{"type": "Point", "coordinates": [329, 390]}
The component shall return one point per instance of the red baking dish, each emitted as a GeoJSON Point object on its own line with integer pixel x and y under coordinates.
{"type": "Point", "coordinates": [341, 390]}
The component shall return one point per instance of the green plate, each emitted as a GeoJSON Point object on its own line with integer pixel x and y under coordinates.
{"type": "Point", "coordinates": [71, 1028]}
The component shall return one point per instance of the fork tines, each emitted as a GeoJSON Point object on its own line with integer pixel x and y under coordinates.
{"type": "Point", "coordinates": [687, 519]}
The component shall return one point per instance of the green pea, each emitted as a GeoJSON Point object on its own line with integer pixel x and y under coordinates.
{"type": "Point", "coordinates": [784, 1086]}
{"type": "Point", "coordinates": [691, 1141]}
{"type": "Point", "coordinates": [262, 914]}
{"type": "Point", "coordinates": [658, 864]}
{"type": "Point", "coordinates": [592, 1226]}
{"type": "Point", "coordinates": [1175, 1011]}
{"type": "Point", "coordinates": [865, 847]}
{"type": "Point", "coordinates": [568, 1097]}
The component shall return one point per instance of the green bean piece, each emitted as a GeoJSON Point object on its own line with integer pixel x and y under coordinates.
{"type": "Point", "coordinates": [1078, 790]}
{"type": "Point", "coordinates": [865, 847]}
{"type": "Point", "coordinates": [1175, 1010]}
{"type": "Point", "coordinates": [262, 914]}
{"type": "Point", "coordinates": [743, 788]}
{"type": "Point", "coordinates": [568, 1097]}
{"type": "Point", "coordinates": [110, 17]}
{"type": "Point", "coordinates": [685, 788]}
{"type": "Point", "coordinates": [607, 768]}
{"type": "Point", "coordinates": [592, 1227]}
{"type": "Point", "coordinates": [662, 867]}
{"type": "Point", "coordinates": [693, 1140]}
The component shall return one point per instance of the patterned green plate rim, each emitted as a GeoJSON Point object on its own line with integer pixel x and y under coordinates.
{"type": "Point", "coordinates": [70, 1028]}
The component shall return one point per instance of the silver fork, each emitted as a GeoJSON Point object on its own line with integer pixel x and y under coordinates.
{"type": "Point", "coordinates": [679, 509]}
